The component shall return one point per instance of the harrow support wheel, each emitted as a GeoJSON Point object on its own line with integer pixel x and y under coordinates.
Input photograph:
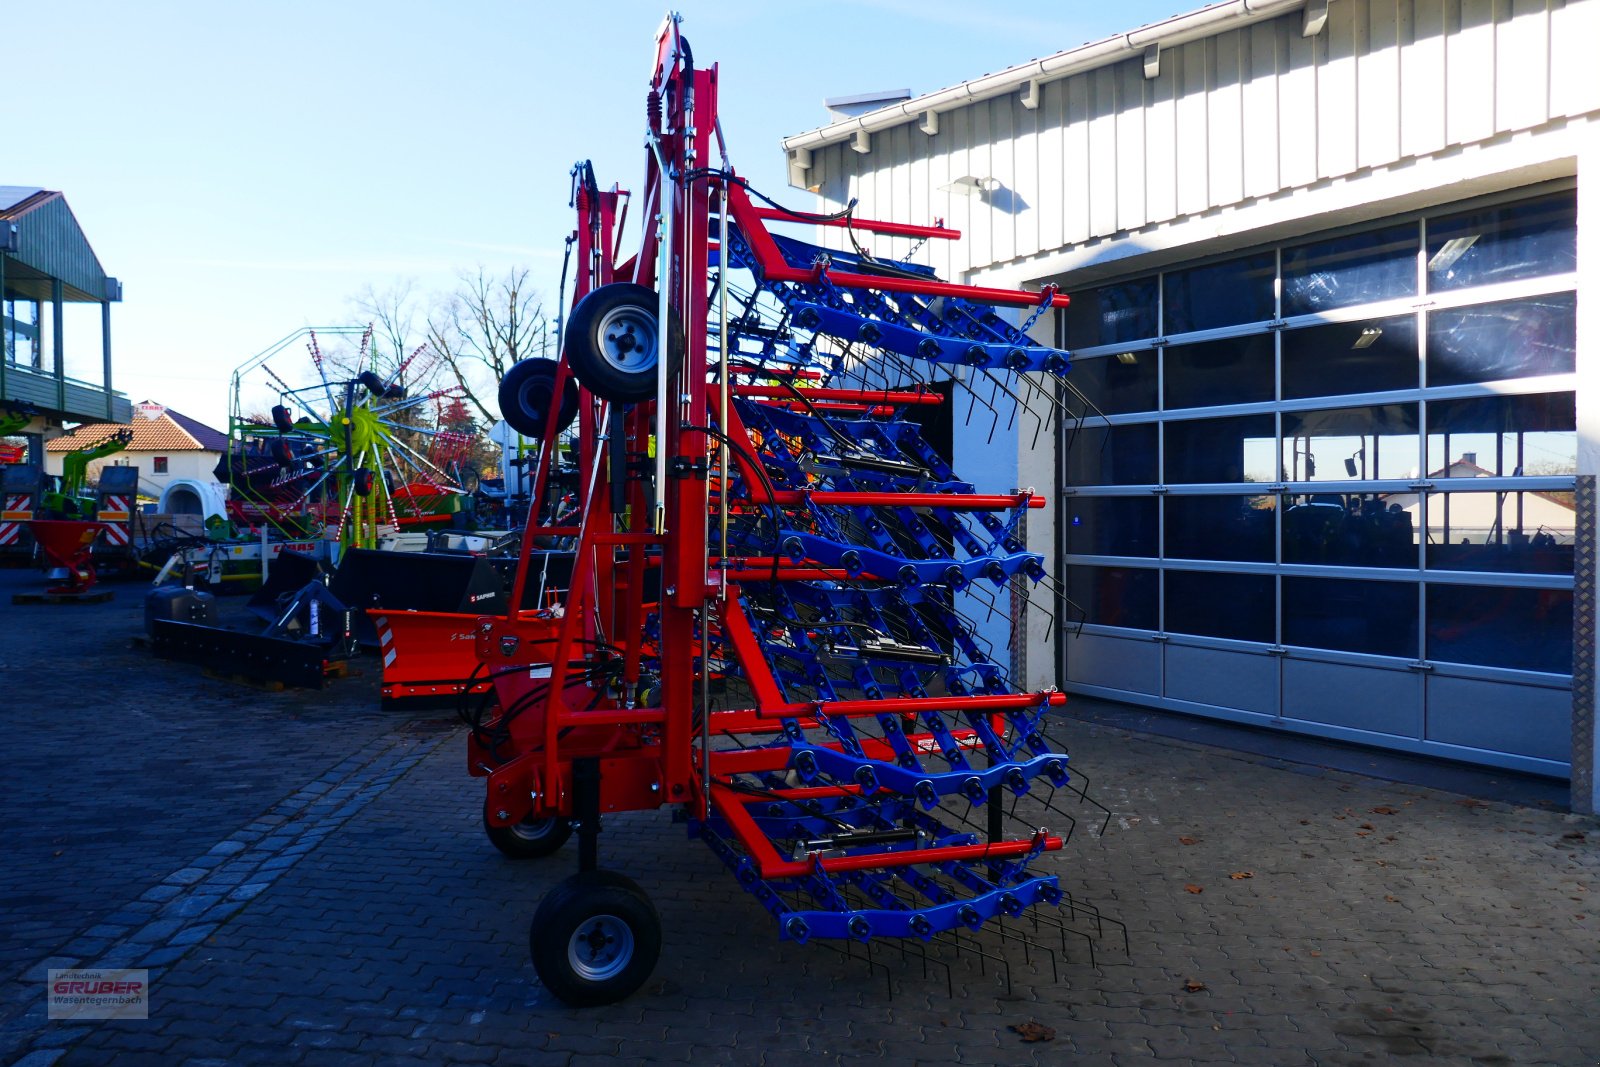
{"type": "Point", "coordinates": [529, 839]}
{"type": "Point", "coordinates": [595, 939]}
{"type": "Point", "coordinates": [612, 343]}
{"type": "Point", "coordinates": [525, 394]}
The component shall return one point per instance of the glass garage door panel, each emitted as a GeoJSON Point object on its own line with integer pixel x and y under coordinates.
{"type": "Point", "coordinates": [1531, 239]}
{"type": "Point", "coordinates": [1370, 699]}
{"type": "Point", "coordinates": [1112, 455]}
{"type": "Point", "coordinates": [1235, 370]}
{"type": "Point", "coordinates": [1508, 533]}
{"type": "Point", "coordinates": [1112, 313]}
{"type": "Point", "coordinates": [1222, 528]}
{"type": "Point", "coordinates": [1349, 615]}
{"type": "Point", "coordinates": [1115, 596]}
{"type": "Point", "coordinates": [1131, 664]}
{"type": "Point", "coordinates": [1360, 268]}
{"type": "Point", "coordinates": [1499, 717]}
{"type": "Point", "coordinates": [1497, 626]}
{"type": "Point", "coordinates": [1240, 607]}
{"type": "Point", "coordinates": [1233, 449]}
{"type": "Point", "coordinates": [1340, 444]}
{"type": "Point", "coordinates": [1503, 436]}
{"type": "Point", "coordinates": [1246, 681]}
{"type": "Point", "coordinates": [1350, 529]}
{"type": "Point", "coordinates": [1369, 356]}
{"type": "Point", "coordinates": [1112, 385]}
{"type": "Point", "coordinates": [1220, 294]}
{"type": "Point", "coordinates": [1509, 339]}
{"type": "Point", "coordinates": [1111, 525]}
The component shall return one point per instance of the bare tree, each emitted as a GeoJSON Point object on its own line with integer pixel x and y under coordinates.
{"type": "Point", "coordinates": [487, 325]}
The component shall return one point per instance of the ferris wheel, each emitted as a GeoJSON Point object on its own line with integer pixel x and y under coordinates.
{"type": "Point", "coordinates": [344, 454]}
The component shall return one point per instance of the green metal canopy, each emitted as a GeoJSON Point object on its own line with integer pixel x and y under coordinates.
{"type": "Point", "coordinates": [45, 258]}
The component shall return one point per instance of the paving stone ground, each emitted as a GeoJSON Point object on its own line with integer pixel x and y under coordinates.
{"type": "Point", "coordinates": [307, 879]}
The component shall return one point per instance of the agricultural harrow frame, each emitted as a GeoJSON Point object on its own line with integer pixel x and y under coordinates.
{"type": "Point", "coordinates": [768, 619]}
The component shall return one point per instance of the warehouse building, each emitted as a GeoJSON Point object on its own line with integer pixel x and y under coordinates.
{"type": "Point", "coordinates": [1335, 400]}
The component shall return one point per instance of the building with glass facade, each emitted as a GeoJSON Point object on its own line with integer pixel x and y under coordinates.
{"type": "Point", "coordinates": [1334, 411]}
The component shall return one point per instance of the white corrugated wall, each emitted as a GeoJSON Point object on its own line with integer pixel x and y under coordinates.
{"type": "Point", "coordinates": [1250, 113]}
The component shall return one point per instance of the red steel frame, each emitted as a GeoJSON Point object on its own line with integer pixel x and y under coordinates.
{"type": "Point", "coordinates": [649, 755]}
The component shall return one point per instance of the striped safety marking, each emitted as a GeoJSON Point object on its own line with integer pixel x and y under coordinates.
{"type": "Point", "coordinates": [385, 640]}
{"type": "Point", "coordinates": [115, 511]}
{"type": "Point", "coordinates": [16, 512]}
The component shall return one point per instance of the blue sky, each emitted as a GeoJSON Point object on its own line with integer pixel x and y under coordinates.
{"type": "Point", "coordinates": [248, 169]}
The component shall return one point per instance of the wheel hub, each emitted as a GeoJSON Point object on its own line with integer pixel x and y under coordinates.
{"type": "Point", "coordinates": [630, 339]}
{"type": "Point", "coordinates": [600, 948]}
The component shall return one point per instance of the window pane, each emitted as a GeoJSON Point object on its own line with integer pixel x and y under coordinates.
{"type": "Point", "coordinates": [1492, 626]}
{"type": "Point", "coordinates": [1113, 385]}
{"type": "Point", "coordinates": [1350, 357]}
{"type": "Point", "coordinates": [1500, 244]}
{"type": "Point", "coordinates": [1349, 530]}
{"type": "Point", "coordinates": [1237, 449]}
{"type": "Point", "coordinates": [1503, 436]}
{"type": "Point", "coordinates": [1114, 596]}
{"type": "Point", "coordinates": [1221, 527]}
{"type": "Point", "coordinates": [1234, 371]}
{"type": "Point", "coordinates": [1240, 606]}
{"type": "Point", "coordinates": [1112, 313]}
{"type": "Point", "coordinates": [1111, 525]}
{"type": "Point", "coordinates": [1518, 533]}
{"type": "Point", "coordinates": [1343, 443]}
{"type": "Point", "coordinates": [1357, 269]}
{"type": "Point", "coordinates": [1509, 339]}
{"type": "Point", "coordinates": [1379, 618]}
{"type": "Point", "coordinates": [1223, 294]}
{"type": "Point", "coordinates": [1111, 455]}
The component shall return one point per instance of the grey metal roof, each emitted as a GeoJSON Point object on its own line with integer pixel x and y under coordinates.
{"type": "Point", "coordinates": [12, 195]}
{"type": "Point", "coordinates": [49, 245]}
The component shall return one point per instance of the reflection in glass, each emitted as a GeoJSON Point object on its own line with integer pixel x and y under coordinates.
{"type": "Point", "coordinates": [1357, 269]}
{"type": "Point", "coordinates": [1222, 294]}
{"type": "Point", "coordinates": [1098, 454]}
{"type": "Point", "coordinates": [1500, 244]}
{"type": "Point", "coordinates": [1238, 606]}
{"type": "Point", "coordinates": [1349, 530]}
{"type": "Point", "coordinates": [1344, 443]}
{"type": "Point", "coordinates": [1112, 385]}
{"type": "Point", "coordinates": [1237, 370]}
{"type": "Point", "coordinates": [1379, 618]}
{"type": "Point", "coordinates": [1221, 527]}
{"type": "Point", "coordinates": [1113, 596]}
{"type": "Point", "coordinates": [1503, 436]}
{"type": "Point", "coordinates": [1516, 533]}
{"type": "Point", "coordinates": [1493, 626]}
{"type": "Point", "coordinates": [1112, 313]}
{"type": "Point", "coordinates": [1508, 339]}
{"type": "Point", "coordinates": [1235, 449]}
{"type": "Point", "coordinates": [1110, 525]}
{"type": "Point", "coordinates": [19, 323]}
{"type": "Point", "coordinates": [1350, 357]}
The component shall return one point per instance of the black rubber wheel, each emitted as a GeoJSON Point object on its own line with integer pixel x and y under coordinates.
{"type": "Point", "coordinates": [372, 383]}
{"type": "Point", "coordinates": [529, 839]}
{"type": "Point", "coordinates": [611, 342]}
{"type": "Point", "coordinates": [595, 939]}
{"type": "Point", "coordinates": [525, 397]}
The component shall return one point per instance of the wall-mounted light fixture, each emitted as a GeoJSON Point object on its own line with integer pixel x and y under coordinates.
{"type": "Point", "coordinates": [967, 185]}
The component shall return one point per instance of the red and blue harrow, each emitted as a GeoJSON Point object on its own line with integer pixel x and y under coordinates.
{"type": "Point", "coordinates": [780, 586]}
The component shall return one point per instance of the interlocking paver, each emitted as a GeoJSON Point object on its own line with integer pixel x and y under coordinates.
{"type": "Point", "coordinates": [308, 879]}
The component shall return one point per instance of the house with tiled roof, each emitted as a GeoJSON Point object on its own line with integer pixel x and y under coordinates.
{"type": "Point", "coordinates": [167, 446]}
